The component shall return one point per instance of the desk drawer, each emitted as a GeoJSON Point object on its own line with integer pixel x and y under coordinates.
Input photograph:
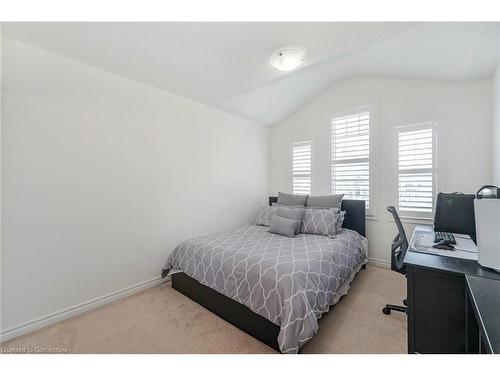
{"type": "Point", "coordinates": [436, 311]}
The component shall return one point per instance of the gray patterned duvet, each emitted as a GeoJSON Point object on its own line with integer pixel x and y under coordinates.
{"type": "Point", "coordinates": [289, 281]}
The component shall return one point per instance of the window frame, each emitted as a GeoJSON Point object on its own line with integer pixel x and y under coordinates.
{"type": "Point", "coordinates": [311, 168]}
{"type": "Point", "coordinates": [437, 170]}
{"type": "Point", "coordinates": [372, 156]}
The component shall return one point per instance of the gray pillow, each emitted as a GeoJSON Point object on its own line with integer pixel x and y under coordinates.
{"type": "Point", "coordinates": [292, 199]}
{"type": "Point", "coordinates": [283, 226]}
{"type": "Point", "coordinates": [290, 213]}
{"type": "Point", "coordinates": [264, 216]}
{"type": "Point", "coordinates": [319, 221]}
{"type": "Point", "coordinates": [324, 201]}
{"type": "Point", "coordinates": [339, 220]}
{"type": "Point", "coordinates": [275, 204]}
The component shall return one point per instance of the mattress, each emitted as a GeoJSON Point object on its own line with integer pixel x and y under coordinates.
{"type": "Point", "coordinates": [289, 281]}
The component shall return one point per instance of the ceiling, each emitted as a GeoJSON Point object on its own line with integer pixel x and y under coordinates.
{"type": "Point", "coordinates": [226, 65]}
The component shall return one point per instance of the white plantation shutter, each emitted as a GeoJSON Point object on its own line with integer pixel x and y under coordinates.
{"type": "Point", "coordinates": [416, 169]}
{"type": "Point", "coordinates": [301, 156]}
{"type": "Point", "coordinates": [350, 156]}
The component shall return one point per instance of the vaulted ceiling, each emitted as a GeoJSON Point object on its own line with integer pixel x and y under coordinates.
{"type": "Point", "coordinates": [226, 65]}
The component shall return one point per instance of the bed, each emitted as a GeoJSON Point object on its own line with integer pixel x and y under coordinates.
{"type": "Point", "coordinates": [273, 287]}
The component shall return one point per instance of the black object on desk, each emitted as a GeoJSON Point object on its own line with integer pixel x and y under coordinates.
{"type": "Point", "coordinates": [444, 236]}
{"type": "Point", "coordinates": [437, 301]}
{"type": "Point", "coordinates": [483, 315]}
{"type": "Point", "coordinates": [444, 245]}
{"type": "Point", "coordinates": [455, 213]}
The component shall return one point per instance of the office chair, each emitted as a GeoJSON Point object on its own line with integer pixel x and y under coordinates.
{"type": "Point", "coordinates": [399, 247]}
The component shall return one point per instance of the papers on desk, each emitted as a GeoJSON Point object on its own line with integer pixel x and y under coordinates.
{"type": "Point", "coordinates": [423, 240]}
{"type": "Point", "coordinates": [465, 243]}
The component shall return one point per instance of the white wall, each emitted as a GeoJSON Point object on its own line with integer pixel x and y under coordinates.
{"type": "Point", "coordinates": [496, 127]}
{"type": "Point", "coordinates": [464, 114]}
{"type": "Point", "coordinates": [1, 182]}
{"type": "Point", "coordinates": [101, 178]}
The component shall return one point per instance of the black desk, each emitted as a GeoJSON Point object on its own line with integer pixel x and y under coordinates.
{"type": "Point", "coordinates": [483, 315]}
{"type": "Point", "coordinates": [437, 301]}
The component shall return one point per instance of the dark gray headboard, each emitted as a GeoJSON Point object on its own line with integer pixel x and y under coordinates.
{"type": "Point", "coordinates": [355, 216]}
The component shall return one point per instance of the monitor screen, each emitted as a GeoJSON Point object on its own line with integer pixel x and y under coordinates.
{"type": "Point", "coordinates": [455, 213]}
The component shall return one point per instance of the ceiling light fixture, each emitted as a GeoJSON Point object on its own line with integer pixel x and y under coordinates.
{"type": "Point", "coordinates": [287, 59]}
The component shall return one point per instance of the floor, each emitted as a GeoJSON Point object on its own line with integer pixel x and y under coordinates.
{"type": "Point", "coordinates": [161, 320]}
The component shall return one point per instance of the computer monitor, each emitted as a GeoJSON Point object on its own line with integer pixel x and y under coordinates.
{"type": "Point", "coordinates": [455, 213]}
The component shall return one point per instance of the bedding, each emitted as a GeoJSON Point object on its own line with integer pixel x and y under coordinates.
{"type": "Point", "coordinates": [283, 226]}
{"type": "Point", "coordinates": [289, 281]}
{"type": "Point", "coordinates": [292, 199]}
{"type": "Point", "coordinates": [264, 216]}
{"type": "Point", "coordinates": [266, 213]}
{"type": "Point", "coordinates": [276, 204]}
{"type": "Point", "coordinates": [324, 201]}
{"type": "Point", "coordinates": [320, 221]}
{"type": "Point", "coordinates": [291, 213]}
{"type": "Point", "coordinates": [339, 220]}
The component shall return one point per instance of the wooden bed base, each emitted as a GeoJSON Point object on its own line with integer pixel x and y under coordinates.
{"type": "Point", "coordinates": [241, 316]}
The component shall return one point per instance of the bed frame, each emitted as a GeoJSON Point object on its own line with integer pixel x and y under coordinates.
{"type": "Point", "coordinates": [241, 316]}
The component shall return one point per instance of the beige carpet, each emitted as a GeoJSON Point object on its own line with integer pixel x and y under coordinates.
{"type": "Point", "coordinates": [161, 320]}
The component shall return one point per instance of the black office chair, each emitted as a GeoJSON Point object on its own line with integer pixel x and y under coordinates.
{"type": "Point", "coordinates": [399, 247]}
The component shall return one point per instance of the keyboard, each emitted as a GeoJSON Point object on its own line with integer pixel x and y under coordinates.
{"type": "Point", "coordinates": [445, 236]}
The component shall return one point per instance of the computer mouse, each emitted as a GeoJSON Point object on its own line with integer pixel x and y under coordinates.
{"type": "Point", "coordinates": [445, 245]}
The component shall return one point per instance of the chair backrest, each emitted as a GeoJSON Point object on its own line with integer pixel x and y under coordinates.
{"type": "Point", "coordinates": [399, 245]}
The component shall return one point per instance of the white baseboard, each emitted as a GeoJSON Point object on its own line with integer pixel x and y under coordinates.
{"type": "Point", "coordinates": [76, 309]}
{"type": "Point", "coordinates": [379, 263]}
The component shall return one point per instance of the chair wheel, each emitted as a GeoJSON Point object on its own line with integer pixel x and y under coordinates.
{"type": "Point", "coordinates": [386, 310]}
{"type": "Point", "coordinates": [405, 302]}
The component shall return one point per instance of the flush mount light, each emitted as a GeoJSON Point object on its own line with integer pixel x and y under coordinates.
{"type": "Point", "coordinates": [287, 59]}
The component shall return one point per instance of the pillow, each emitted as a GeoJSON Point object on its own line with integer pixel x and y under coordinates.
{"type": "Point", "coordinates": [283, 226]}
{"type": "Point", "coordinates": [324, 201]}
{"type": "Point", "coordinates": [339, 220]}
{"type": "Point", "coordinates": [292, 199]}
{"type": "Point", "coordinates": [290, 213]}
{"type": "Point", "coordinates": [265, 215]}
{"type": "Point", "coordinates": [319, 221]}
{"type": "Point", "coordinates": [283, 205]}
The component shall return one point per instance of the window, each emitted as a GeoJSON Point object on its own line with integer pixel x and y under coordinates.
{"type": "Point", "coordinates": [350, 156]}
{"type": "Point", "coordinates": [301, 156]}
{"type": "Point", "coordinates": [416, 169]}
